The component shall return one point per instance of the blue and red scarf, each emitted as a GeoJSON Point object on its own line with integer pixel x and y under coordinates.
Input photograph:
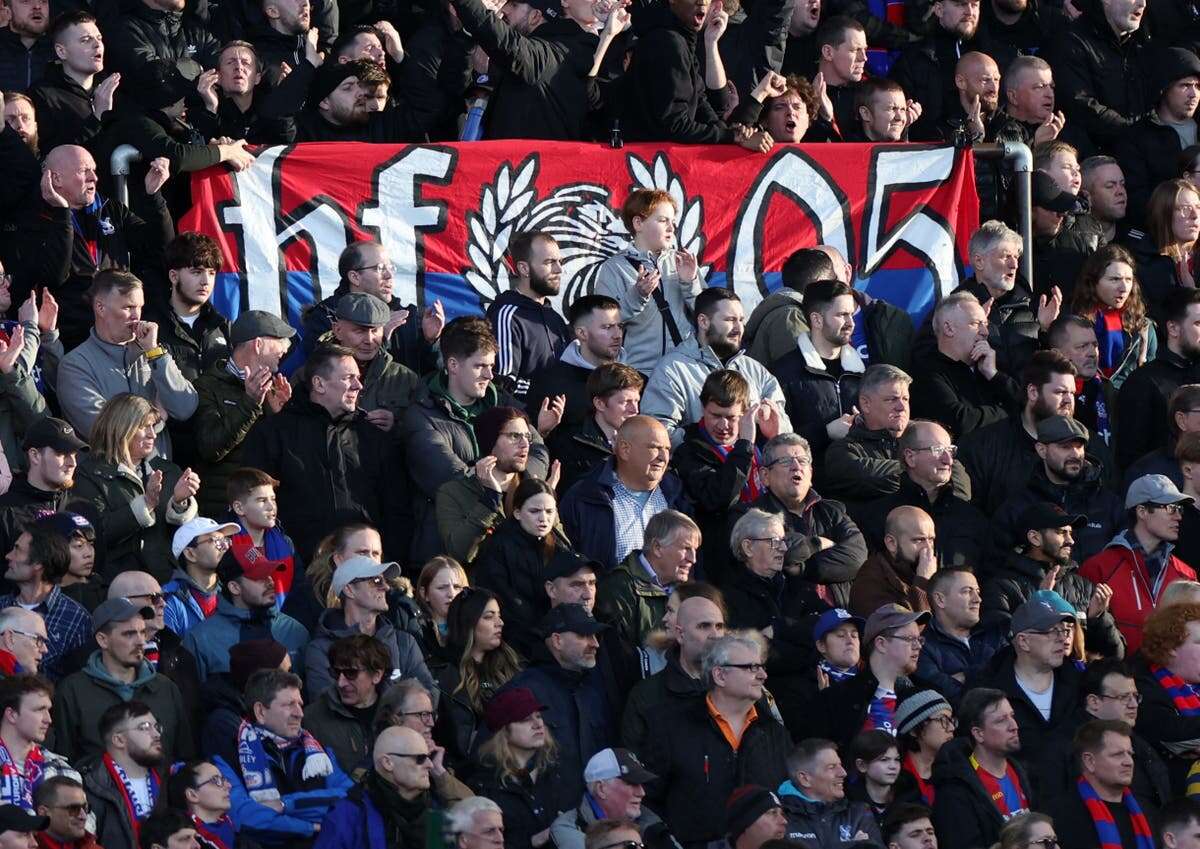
{"type": "Point", "coordinates": [1185, 696]}
{"type": "Point", "coordinates": [215, 835]}
{"type": "Point", "coordinates": [133, 806]}
{"type": "Point", "coordinates": [275, 547]}
{"type": "Point", "coordinates": [1110, 333]}
{"type": "Point", "coordinates": [1106, 826]}
{"type": "Point", "coordinates": [924, 786]}
{"type": "Point", "coordinates": [255, 764]}
{"type": "Point", "coordinates": [18, 781]}
{"type": "Point", "coordinates": [754, 486]}
{"type": "Point", "coordinates": [881, 714]}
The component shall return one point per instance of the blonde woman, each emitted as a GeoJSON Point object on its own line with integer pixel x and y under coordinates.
{"type": "Point", "coordinates": [141, 497]}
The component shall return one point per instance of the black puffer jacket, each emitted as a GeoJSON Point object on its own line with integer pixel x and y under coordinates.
{"type": "Point", "coordinates": [1104, 83]}
{"type": "Point", "coordinates": [961, 528]}
{"type": "Point", "coordinates": [528, 806]}
{"type": "Point", "coordinates": [1085, 496]}
{"type": "Point", "coordinates": [541, 90]}
{"type": "Point", "coordinates": [1142, 403]}
{"type": "Point", "coordinates": [824, 825]}
{"type": "Point", "coordinates": [963, 812]}
{"type": "Point", "coordinates": [926, 71]}
{"type": "Point", "coordinates": [1149, 153]}
{"type": "Point", "coordinates": [331, 471]}
{"type": "Point", "coordinates": [816, 397]}
{"type": "Point", "coordinates": [64, 110]}
{"type": "Point", "coordinates": [145, 33]}
{"type": "Point", "coordinates": [1010, 583]}
{"type": "Point", "coordinates": [21, 66]}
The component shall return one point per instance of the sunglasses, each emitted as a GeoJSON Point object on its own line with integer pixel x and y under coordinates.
{"type": "Point", "coordinates": [420, 760]}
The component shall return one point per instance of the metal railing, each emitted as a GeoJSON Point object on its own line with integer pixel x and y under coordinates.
{"type": "Point", "coordinates": [122, 158]}
{"type": "Point", "coordinates": [1021, 158]}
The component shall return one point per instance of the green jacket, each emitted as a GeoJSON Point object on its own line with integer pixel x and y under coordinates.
{"type": "Point", "coordinates": [628, 600]}
{"type": "Point", "coordinates": [467, 511]}
{"type": "Point", "coordinates": [388, 385]}
{"type": "Point", "coordinates": [224, 416]}
{"type": "Point", "coordinates": [774, 325]}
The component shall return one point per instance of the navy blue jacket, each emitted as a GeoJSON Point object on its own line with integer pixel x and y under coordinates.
{"type": "Point", "coordinates": [530, 338]}
{"type": "Point", "coordinates": [587, 514]}
{"type": "Point", "coordinates": [944, 656]}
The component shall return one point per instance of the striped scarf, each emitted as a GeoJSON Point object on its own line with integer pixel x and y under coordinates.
{"type": "Point", "coordinates": [255, 764]}
{"type": "Point", "coordinates": [18, 781]}
{"type": "Point", "coordinates": [1184, 695]}
{"type": "Point", "coordinates": [131, 801]}
{"type": "Point", "coordinates": [754, 484]}
{"type": "Point", "coordinates": [1106, 826]}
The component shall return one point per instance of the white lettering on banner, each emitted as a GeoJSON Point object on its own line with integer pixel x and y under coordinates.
{"type": "Point", "coordinates": [925, 234]}
{"type": "Point", "coordinates": [253, 218]}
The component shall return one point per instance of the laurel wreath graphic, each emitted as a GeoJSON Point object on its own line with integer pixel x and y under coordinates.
{"type": "Point", "coordinates": [580, 216]}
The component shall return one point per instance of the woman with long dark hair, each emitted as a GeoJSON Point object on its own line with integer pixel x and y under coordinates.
{"type": "Point", "coordinates": [1108, 294]}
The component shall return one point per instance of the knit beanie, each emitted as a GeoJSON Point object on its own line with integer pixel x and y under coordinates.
{"type": "Point", "coordinates": [488, 425]}
{"type": "Point", "coordinates": [746, 804]}
{"type": "Point", "coordinates": [1175, 63]}
{"type": "Point", "coordinates": [248, 657]}
{"type": "Point", "coordinates": [328, 77]}
{"type": "Point", "coordinates": [917, 708]}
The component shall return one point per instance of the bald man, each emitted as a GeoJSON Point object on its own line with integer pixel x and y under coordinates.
{"type": "Point", "coordinates": [605, 513]}
{"type": "Point", "coordinates": [398, 785]}
{"type": "Point", "coordinates": [80, 232]}
{"type": "Point", "coordinates": [977, 80]}
{"type": "Point", "coordinates": [901, 570]}
{"type": "Point", "coordinates": [697, 622]}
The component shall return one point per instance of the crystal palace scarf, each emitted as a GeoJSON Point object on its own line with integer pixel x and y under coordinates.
{"type": "Point", "coordinates": [1106, 826]}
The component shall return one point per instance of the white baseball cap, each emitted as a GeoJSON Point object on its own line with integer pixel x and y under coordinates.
{"type": "Point", "coordinates": [359, 567]}
{"type": "Point", "coordinates": [198, 527]}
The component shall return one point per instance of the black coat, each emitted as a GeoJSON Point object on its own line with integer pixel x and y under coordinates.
{"type": "Point", "coordinates": [21, 66]}
{"type": "Point", "coordinates": [665, 96]}
{"type": "Point", "coordinates": [1173, 735]}
{"type": "Point", "coordinates": [944, 656]}
{"type": "Point", "coordinates": [1104, 84]}
{"type": "Point", "coordinates": [755, 602]}
{"type": "Point", "coordinates": [961, 528]}
{"type": "Point", "coordinates": [528, 806]}
{"type": "Point", "coordinates": [697, 769]}
{"type": "Point", "coordinates": [926, 71]}
{"type": "Point", "coordinates": [963, 813]}
{"type": "Point", "coordinates": [565, 379]}
{"type": "Point", "coordinates": [1157, 273]}
{"type": "Point", "coordinates": [331, 471]}
{"type": "Point", "coordinates": [814, 397]}
{"type": "Point", "coordinates": [541, 90]}
{"type": "Point", "coordinates": [1012, 580]}
{"type": "Point", "coordinates": [579, 449]}
{"type": "Point", "coordinates": [144, 34]}
{"type": "Point", "coordinates": [841, 708]}
{"type": "Point", "coordinates": [1073, 824]}
{"type": "Point", "coordinates": [670, 685]}
{"type": "Point", "coordinates": [958, 396]}
{"type": "Point", "coordinates": [1142, 403]}
{"type": "Point", "coordinates": [434, 75]}
{"type": "Point", "coordinates": [64, 110]}
{"type": "Point", "coordinates": [252, 125]}
{"type": "Point", "coordinates": [1149, 153]}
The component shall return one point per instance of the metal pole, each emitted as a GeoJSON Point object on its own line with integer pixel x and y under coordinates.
{"type": "Point", "coordinates": [123, 157]}
{"type": "Point", "coordinates": [1022, 164]}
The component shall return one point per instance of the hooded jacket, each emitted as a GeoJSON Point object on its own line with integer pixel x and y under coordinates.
{"type": "Point", "coordinates": [332, 470]}
{"type": "Point", "coordinates": [403, 650]}
{"type": "Point", "coordinates": [82, 697]}
{"type": "Point", "coordinates": [825, 825]}
{"type": "Point", "coordinates": [1142, 403]}
{"type": "Point", "coordinates": [468, 513]}
{"type": "Point", "coordinates": [542, 87]}
{"type": "Point", "coordinates": [1149, 154]}
{"type": "Point", "coordinates": [183, 612]}
{"type": "Point", "coordinates": [210, 641]}
{"type": "Point", "coordinates": [144, 34]}
{"type": "Point", "coordinates": [647, 332]}
{"type": "Point", "coordinates": [963, 813]}
{"type": "Point", "coordinates": [672, 394]}
{"type": "Point", "coordinates": [1135, 592]}
{"type": "Point", "coordinates": [1104, 82]}
{"type": "Point", "coordinates": [530, 336]}
{"type": "Point", "coordinates": [566, 376]}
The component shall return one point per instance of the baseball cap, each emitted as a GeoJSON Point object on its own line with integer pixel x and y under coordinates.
{"type": "Point", "coordinates": [919, 707]}
{"type": "Point", "coordinates": [566, 563]}
{"type": "Point", "coordinates": [889, 617]}
{"type": "Point", "coordinates": [67, 524]}
{"type": "Point", "coordinates": [745, 805]}
{"type": "Point", "coordinates": [1048, 195]}
{"type": "Point", "coordinates": [1043, 515]}
{"type": "Point", "coordinates": [118, 610]}
{"type": "Point", "coordinates": [15, 818]}
{"type": "Point", "coordinates": [510, 706]}
{"type": "Point", "coordinates": [198, 527]}
{"type": "Point", "coordinates": [363, 308]}
{"type": "Point", "coordinates": [52, 433]}
{"type": "Point", "coordinates": [359, 567]}
{"type": "Point", "coordinates": [250, 563]}
{"type": "Point", "coordinates": [255, 323]}
{"type": "Point", "coordinates": [834, 618]}
{"type": "Point", "coordinates": [1061, 429]}
{"type": "Point", "coordinates": [616, 763]}
{"type": "Point", "coordinates": [570, 617]}
{"type": "Point", "coordinates": [1154, 489]}
{"type": "Point", "coordinates": [1036, 615]}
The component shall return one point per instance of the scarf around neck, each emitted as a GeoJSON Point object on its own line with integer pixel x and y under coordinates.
{"type": "Point", "coordinates": [1184, 696]}
{"type": "Point", "coordinates": [1106, 825]}
{"type": "Point", "coordinates": [134, 808]}
{"type": "Point", "coordinates": [18, 781]}
{"type": "Point", "coordinates": [255, 764]}
{"type": "Point", "coordinates": [753, 487]}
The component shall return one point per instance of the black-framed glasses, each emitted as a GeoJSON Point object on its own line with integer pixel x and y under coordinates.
{"type": "Point", "coordinates": [1045, 843]}
{"type": "Point", "coordinates": [420, 759]}
{"type": "Point", "coordinates": [379, 266]}
{"type": "Point", "coordinates": [1062, 632]}
{"type": "Point", "coordinates": [947, 721]}
{"type": "Point", "coordinates": [1128, 698]}
{"type": "Point", "coordinates": [38, 639]}
{"type": "Point", "coordinates": [749, 667]}
{"type": "Point", "coordinates": [429, 717]}
{"type": "Point", "coordinates": [217, 780]}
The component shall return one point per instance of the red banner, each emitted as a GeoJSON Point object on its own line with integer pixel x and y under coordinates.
{"type": "Point", "coordinates": [901, 213]}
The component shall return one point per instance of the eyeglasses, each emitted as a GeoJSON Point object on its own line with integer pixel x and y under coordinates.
{"type": "Point", "coordinates": [749, 667]}
{"type": "Point", "coordinates": [218, 541]}
{"type": "Point", "coordinates": [948, 722]}
{"type": "Point", "coordinates": [144, 727]}
{"type": "Point", "coordinates": [77, 809]}
{"type": "Point", "coordinates": [379, 266]}
{"type": "Point", "coordinates": [777, 543]}
{"type": "Point", "coordinates": [1170, 509]}
{"type": "Point", "coordinates": [429, 717]}
{"type": "Point", "coordinates": [915, 642]}
{"type": "Point", "coordinates": [1045, 843]}
{"type": "Point", "coordinates": [153, 598]}
{"type": "Point", "coordinates": [527, 438]}
{"type": "Point", "coordinates": [1127, 698]}
{"type": "Point", "coordinates": [1062, 633]}
{"type": "Point", "coordinates": [799, 462]}
{"type": "Point", "coordinates": [41, 641]}
{"type": "Point", "coordinates": [938, 450]}
{"type": "Point", "coordinates": [350, 672]}
{"type": "Point", "coordinates": [217, 780]}
{"type": "Point", "coordinates": [418, 759]}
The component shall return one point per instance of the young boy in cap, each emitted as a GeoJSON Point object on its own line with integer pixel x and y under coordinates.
{"type": "Point", "coordinates": [191, 593]}
{"type": "Point", "coordinates": [81, 582]}
{"type": "Point", "coordinates": [252, 501]}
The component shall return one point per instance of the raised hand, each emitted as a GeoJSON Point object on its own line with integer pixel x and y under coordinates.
{"type": "Point", "coordinates": [395, 320]}
{"type": "Point", "coordinates": [145, 333]}
{"type": "Point", "coordinates": [1049, 129]}
{"type": "Point", "coordinates": [382, 419]}
{"type": "Point", "coordinates": [1049, 579]}
{"type": "Point", "coordinates": [153, 490]}
{"type": "Point", "coordinates": [686, 265]}
{"type": "Point", "coordinates": [157, 174]}
{"type": "Point", "coordinates": [554, 475]}
{"type": "Point", "coordinates": [187, 486]}
{"type": "Point", "coordinates": [647, 280]}
{"type": "Point", "coordinates": [281, 393]}
{"type": "Point", "coordinates": [50, 193]}
{"type": "Point", "coordinates": [1098, 603]}
{"type": "Point", "coordinates": [1049, 308]}
{"type": "Point", "coordinates": [28, 311]}
{"type": "Point", "coordinates": [551, 413]}
{"type": "Point", "coordinates": [433, 321]}
{"type": "Point", "coordinates": [102, 97]}
{"type": "Point", "coordinates": [768, 419]}
{"type": "Point", "coordinates": [312, 53]}
{"type": "Point", "coordinates": [47, 318]}
{"type": "Point", "coordinates": [771, 85]}
{"type": "Point", "coordinates": [391, 41]}
{"type": "Point", "coordinates": [258, 383]}
{"type": "Point", "coordinates": [11, 350]}
{"type": "Point", "coordinates": [485, 473]}
{"type": "Point", "coordinates": [821, 89]}
{"type": "Point", "coordinates": [715, 24]}
{"type": "Point", "coordinates": [206, 85]}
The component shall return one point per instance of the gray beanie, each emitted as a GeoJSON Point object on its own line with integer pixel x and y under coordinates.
{"type": "Point", "coordinates": [917, 708]}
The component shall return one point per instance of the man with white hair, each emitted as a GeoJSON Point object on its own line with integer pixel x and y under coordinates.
{"type": "Point", "coordinates": [615, 781]}
{"type": "Point", "coordinates": [476, 823]}
{"type": "Point", "coordinates": [960, 384]}
{"type": "Point", "coordinates": [704, 749]}
{"type": "Point", "coordinates": [23, 641]}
